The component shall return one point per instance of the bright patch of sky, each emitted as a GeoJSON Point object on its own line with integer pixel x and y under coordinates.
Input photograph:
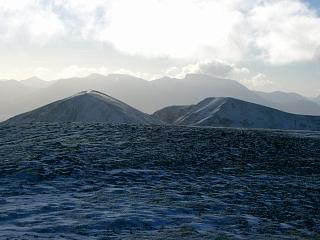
{"type": "Point", "coordinates": [253, 41]}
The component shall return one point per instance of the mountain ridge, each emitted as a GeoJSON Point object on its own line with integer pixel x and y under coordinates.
{"type": "Point", "coordinates": [231, 112]}
{"type": "Point", "coordinates": [86, 106]}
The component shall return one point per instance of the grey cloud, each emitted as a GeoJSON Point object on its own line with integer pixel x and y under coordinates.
{"type": "Point", "coordinates": [214, 68]}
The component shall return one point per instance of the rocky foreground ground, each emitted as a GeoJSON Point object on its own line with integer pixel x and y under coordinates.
{"type": "Point", "coordinates": [98, 181]}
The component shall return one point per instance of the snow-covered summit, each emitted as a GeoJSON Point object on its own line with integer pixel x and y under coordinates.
{"type": "Point", "coordinates": [86, 106]}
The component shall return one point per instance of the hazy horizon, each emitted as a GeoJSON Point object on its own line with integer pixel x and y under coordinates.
{"type": "Point", "coordinates": [266, 45]}
{"type": "Point", "coordinates": [160, 77]}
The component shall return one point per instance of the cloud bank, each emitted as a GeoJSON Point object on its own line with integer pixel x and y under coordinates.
{"type": "Point", "coordinates": [271, 31]}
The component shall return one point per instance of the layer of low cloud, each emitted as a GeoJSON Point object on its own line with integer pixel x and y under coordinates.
{"type": "Point", "coordinates": [223, 70]}
{"type": "Point", "coordinates": [272, 31]}
{"type": "Point", "coordinates": [258, 81]}
{"type": "Point", "coordinates": [68, 72]}
{"type": "Point", "coordinates": [214, 68]}
{"type": "Point", "coordinates": [83, 71]}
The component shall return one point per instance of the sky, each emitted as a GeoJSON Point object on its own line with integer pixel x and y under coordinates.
{"type": "Point", "coordinates": [266, 45]}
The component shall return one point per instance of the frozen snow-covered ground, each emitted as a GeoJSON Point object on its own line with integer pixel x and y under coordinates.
{"type": "Point", "coordinates": [98, 181]}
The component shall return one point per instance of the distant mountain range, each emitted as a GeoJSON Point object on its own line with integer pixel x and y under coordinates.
{"type": "Point", "coordinates": [316, 100]}
{"type": "Point", "coordinates": [36, 83]}
{"type": "Point", "coordinates": [291, 102]}
{"type": "Point", "coordinates": [230, 112]}
{"type": "Point", "coordinates": [148, 96]}
{"type": "Point", "coordinates": [87, 106]}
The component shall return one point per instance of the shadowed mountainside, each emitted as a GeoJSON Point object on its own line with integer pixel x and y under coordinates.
{"type": "Point", "coordinates": [290, 102]}
{"type": "Point", "coordinates": [316, 100]}
{"type": "Point", "coordinates": [230, 112]}
{"type": "Point", "coordinates": [87, 106]}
